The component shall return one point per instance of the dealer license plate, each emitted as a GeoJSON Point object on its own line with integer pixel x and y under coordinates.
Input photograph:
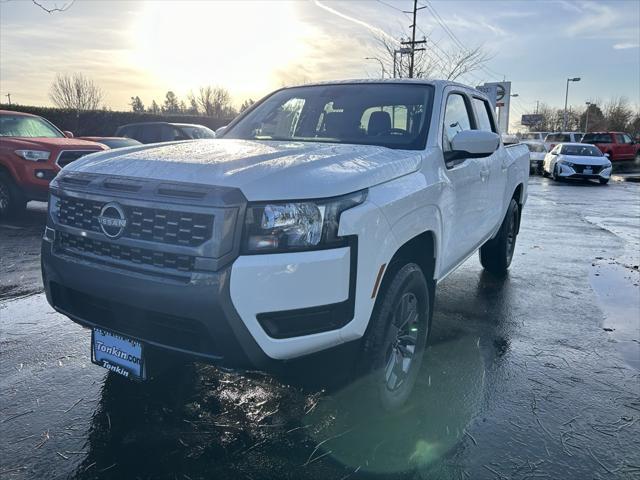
{"type": "Point", "coordinates": [588, 171]}
{"type": "Point", "coordinates": [119, 354]}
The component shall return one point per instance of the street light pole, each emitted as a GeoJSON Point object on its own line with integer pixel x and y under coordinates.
{"type": "Point", "coordinates": [379, 61]}
{"type": "Point", "coordinates": [586, 120]}
{"type": "Point", "coordinates": [566, 98]}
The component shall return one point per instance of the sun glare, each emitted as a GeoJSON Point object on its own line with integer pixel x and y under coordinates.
{"type": "Point", "coordinates": [241, 45]}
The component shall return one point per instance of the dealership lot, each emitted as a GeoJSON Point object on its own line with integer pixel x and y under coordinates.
{"type": "Point", "coordinates": [542, 366]}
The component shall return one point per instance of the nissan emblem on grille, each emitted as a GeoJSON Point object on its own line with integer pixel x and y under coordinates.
{"type": "Point", "coordinates": [112, 220]}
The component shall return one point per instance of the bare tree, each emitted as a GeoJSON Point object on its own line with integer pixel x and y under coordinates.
{"type": "Point", "coordinates": [215, 102]}
{"type": "Point", "coordinates": [432, 62]}
{"type": "Point", "coordinates": [618, 114]}
{"type": "Point", "coordinates": [75, 92]}
{"type": "Point", "coordinates": [462, 62]}
{"type": "Point", "coordinates": [247, 104]}
{"type": "Point", "coordinates": [55, 8]}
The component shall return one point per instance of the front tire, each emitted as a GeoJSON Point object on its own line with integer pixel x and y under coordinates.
{"type": "Point", "coordinates": [555, 174]}
{"type": "Point", "coordinates": [12, 202]}
{"type": "Point", "coordinates": [395, 341]}
{"type": "Point", "coordinates": [497, 253]}
{"type": "Point", "coordinates": [603, 181]}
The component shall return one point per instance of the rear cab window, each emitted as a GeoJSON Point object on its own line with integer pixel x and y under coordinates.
{"type": "Point", "coordinates": [558, 137]}
{"type": "Point", "coordinates": [596, 138]}
{"type": "Point", "coordinates": [484, 115]}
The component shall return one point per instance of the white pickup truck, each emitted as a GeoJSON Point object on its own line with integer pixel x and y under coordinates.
{"type": "Point", "coordinates": [322, 219]}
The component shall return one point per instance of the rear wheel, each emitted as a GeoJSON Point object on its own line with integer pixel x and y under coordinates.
{"type": "Point", "coordinates": [497, 253]}
{"type": "Point", "coordinates": [395, 341]}
{"type": "Point", "coordinates": [12, 202]}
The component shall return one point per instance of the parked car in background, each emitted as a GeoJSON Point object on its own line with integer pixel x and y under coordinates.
{"type": "Point", "coordinates": [113, 142]}
{"type": "Point", "coordinates": [618, 145]}
{"type": "Point", "coordinates": [156, 132]}
{"type": "Point", "coordinates": [577, 160]}
{"type": "Point", "coordinates": [320, 223]}
{"type": "Point", "coordinates": [32, 152]}
{"type": "Point", "coordinates": [537, 152]}
{"type": "Point", "coordinates": [533, 136]}
{"type": "Point", "coordinates": [554, 138]}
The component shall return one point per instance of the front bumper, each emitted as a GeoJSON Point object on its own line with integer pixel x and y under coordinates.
{"type": "Point", "coordinates": [249, 314]}
{"type": "Point", "coordinates": [565, 171]}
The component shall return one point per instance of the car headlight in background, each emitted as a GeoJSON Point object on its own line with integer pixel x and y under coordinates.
{"type": "Point", "coordinates": [293, 226]}
{"type": "Point", "coordinates": [34, 155]}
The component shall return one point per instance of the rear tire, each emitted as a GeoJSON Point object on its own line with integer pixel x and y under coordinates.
{"type": "Point", "coordinates": [497, 253]}
{"type": "Point", "coordinates": [12, 202]}
{"type": "Point", "coordinates": [394, 344]}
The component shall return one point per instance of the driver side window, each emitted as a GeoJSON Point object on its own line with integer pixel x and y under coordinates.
{"type": "Point", "coordinates": [456, 119]}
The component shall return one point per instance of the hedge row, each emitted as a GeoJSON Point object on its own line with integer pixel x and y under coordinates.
{"type": "Point", "coordinates": [105, 122]}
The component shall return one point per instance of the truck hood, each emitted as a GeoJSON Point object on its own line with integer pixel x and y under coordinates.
{"type": "Point", "coordinates": [265, 170]}
{"type": "Point", "coordinates": [52, 143]}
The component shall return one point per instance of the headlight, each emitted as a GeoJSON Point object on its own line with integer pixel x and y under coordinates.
{"type": "Point", "coordinates": [292, 226]}
{"type": "Point", "coordinates": [54, 206]}
{"type": "Point", "coordinates": [33, 155]}
{"type": "Point", "coordinates": [568, 164]}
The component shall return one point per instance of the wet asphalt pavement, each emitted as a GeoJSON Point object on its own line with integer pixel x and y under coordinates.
{"type": "Point", "coordinates": [533, 376]}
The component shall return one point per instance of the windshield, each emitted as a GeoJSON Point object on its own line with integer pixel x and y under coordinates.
{"type": "Point", "coordinates": [581, 150]}
{"type": "Point", "coordinates": [195, 131]}
{"type": "Point", "coordinates": [536, 147]}
{"type": "Point", "coordinates": [531, 136]}
{"type": "Point", "coordinates": [24, 126]}
{"type": "Point", "coordinates": [596, 138]}
{"type": "Point", "coordinates": [389, 115]}
{"type": "Point", "coordinates": [558, 137]}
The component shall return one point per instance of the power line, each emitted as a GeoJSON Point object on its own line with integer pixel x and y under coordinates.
{"type": "Point", "coordinates": [455, 38]}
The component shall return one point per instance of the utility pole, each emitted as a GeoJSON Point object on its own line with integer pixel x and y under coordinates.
{"type": "Point", "coordinates": [586, 120]}
{"type": "Point", "coordinates": [413, 38]}
{"type": "Point", "coordinates": [8, 95]}
{"type": "Point", "coordinates": [537, 104]}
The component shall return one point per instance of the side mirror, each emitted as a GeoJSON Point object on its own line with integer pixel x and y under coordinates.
{"type": "Point", "coordinates": [68, 134]}
{"type": "Point", "coordinates": [554, 153]}
{"type": "Point", "coordinates": [472, 144]}
{"type": "Point", "coordinates": [607, 155]}
{"type": "Point", "coordinates": [220, 131]}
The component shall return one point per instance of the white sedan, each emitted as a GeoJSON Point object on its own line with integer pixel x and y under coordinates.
{"type": "Point", "coordinates": [577, 160]}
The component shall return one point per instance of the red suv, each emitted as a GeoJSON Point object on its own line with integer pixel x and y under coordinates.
{"type": "Point", "coordinates": [32, 152]}
{"type": "Point", "coordinates": [619, 145]}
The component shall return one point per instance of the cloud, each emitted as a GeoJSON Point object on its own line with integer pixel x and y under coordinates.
{"type": "Point", "coordinates": [625, 46]}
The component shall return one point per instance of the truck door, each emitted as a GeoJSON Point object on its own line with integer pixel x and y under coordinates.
{"type": "Point", "coordinates": [625, 148]}
{"type": "Point", "coordinates": [496, 166]}
{"type": "Point", "coordinates": [463, 202]}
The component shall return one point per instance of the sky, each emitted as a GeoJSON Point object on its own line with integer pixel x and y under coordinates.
{"type": "Point", "coordinates": [253, 47]}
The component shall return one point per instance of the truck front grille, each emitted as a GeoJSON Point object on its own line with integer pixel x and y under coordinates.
{"type": "Point", "coordinates": [151, 224]}
{"type": "Point", "coordinates": [120, 253]}
{"type": "Point", "coordinates": [68, 156]}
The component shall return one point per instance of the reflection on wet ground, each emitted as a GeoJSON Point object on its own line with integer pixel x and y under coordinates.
{"type": "Point", "coordinates": [520, 381]}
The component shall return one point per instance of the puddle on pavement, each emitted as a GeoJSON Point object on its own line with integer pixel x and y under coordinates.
{"type": "Point", "coordinates": [446, 399]}
{"type": "Point", "coordinates": [618, 291]}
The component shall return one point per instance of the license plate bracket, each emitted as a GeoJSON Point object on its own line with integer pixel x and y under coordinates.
{"type": "Point", "coordinates": [119, 354]}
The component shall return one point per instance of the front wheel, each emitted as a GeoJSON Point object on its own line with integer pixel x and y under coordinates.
{"type": "Point", "coordinates": [12, 203]}
{"type": "Point", "coordinates": [497, 253]}
{"type": "Point", "coordinates": [556, 173]}
{"type": "Point", "coordinates": [395, 341]}
{"type": "Point", "coordinates": [603, 181]}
